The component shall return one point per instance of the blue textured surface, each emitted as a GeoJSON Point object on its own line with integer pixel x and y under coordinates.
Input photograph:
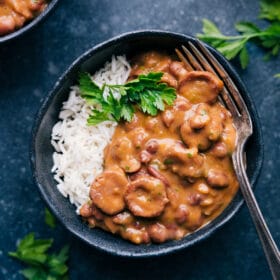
{"type": "Point", "coordinates": [29, 68]}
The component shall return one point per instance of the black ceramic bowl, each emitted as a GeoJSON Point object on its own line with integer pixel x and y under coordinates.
{"type": "Point", "coordinates": [41, 150]}
{"type": "Point", "coordinates": [30, 25]}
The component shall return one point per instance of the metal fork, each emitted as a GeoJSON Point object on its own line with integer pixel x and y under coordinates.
{"type": "Point", "coordinates": [198, 57]}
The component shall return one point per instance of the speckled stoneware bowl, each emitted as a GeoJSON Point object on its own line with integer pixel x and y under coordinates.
{"type": "Point", "coordinates": [30, 25]}
{"type": "Point", "coordinates": [41, 150]}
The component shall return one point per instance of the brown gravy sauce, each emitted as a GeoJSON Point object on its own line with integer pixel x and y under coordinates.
{"type": "Point", "coordinates": [166, 176]}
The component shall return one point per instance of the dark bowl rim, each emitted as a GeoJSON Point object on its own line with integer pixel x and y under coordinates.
{"type": "Point", "coordinates": [82, 58]}
{"type": "Point", "coordinates": [30, 25]}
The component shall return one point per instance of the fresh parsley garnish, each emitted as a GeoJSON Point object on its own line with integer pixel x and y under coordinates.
{"type": "Point", "coordinates": [42, 265]}
{"type": "Point", "coordinates": [49, 218]}
{"type": "Point", "coordinates": [233, 46]}
{"type": "Point", "coordinates": [117, 102]}
{"type": "Point", "coordinates": [270, 10]}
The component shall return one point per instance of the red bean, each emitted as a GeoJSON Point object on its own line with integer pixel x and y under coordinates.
{"type": "Point", "coordinates": [182, 213]}
{"type": "Point", "coordinates": [177, 69]}
{"type": "Point", "coordinates": [169, 79]}
{"type": "Point", "coordinates": [194, 199]}
{"type": "Point", "coordinates": [152, 146]}
{"type": "Point", "coordinates": [219, 150]}
{"type": "Point", "coordinates": [168, 117]}
{"type": "Point", "coordinates": [158, 233]}
{"type": "Point", "coordinates": [145, 157]}
{"type": "Point", "coordinates": [7, 24]}
{"type": "Point", "coordinates": [217, 178]}
{"type": "Point", "coordinates": [86, 210]}
{"type": "Point", "coordinates": [157, 175]}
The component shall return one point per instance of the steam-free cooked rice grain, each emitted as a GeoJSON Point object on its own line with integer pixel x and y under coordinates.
{"type": "Point", "coordinates": [78, 156]}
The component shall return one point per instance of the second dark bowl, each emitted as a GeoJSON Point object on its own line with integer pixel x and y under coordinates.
{"type": "Point", "coordinates": [41, 150]}
{"type": "Point", "coordinates": [30, 25]}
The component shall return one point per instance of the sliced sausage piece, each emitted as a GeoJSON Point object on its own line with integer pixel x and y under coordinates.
{"type": "Point", "coordinates": [108, 189]}
{"type": "Point", "coordinates": [138, 174]}
{"type": "Point", "coordinates": [173, 117]}
{"type": "Point", "coordinates": [201, 117]}
{"type": "Point", "coordinates": [131, 165]}
{"type": "Point", "coordinates": [150, 62]}
{"type": "Point", "coordinates": [182, 161]}
{"type": "Point", "coordinates": [124, 152]}
{"type": "Point", "coordinates": [202, 126]}
{"type": "Point", "coordinates": [200, 86]}
{"type": "Point", "coordinates": [156, 61]}
{"type": "Point", "coordinates": [194, 139]}
{"type": "Point", "coordinates": [146, 197]}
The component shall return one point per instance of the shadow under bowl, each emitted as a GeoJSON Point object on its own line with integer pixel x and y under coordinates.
{"type": "Point", "coordinates": [42, 150]}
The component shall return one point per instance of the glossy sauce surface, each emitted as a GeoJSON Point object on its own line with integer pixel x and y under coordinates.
{"type": "Point", "coordinates": [14, 13]}
{"type": "Point", "coordinates": [166, 176]}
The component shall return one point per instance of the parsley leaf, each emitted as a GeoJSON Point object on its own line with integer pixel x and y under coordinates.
{"type": "Point", "coordinates": [32, 251]}
{"type": "Point", "coordinates": [49, 218]}
{"type": "Point", "coordinates": [247, 28]}
{"type": "Point", "coordinates": [270, 10]}
{"type": "Point", "coordinates": [233, 46]}
{"type": "Point", "coordinates": [244, 58]}
{"type": "Point", "coordinates": [236, 46]}
{"type": "Point", "coordinates": [43, 266]}
{"type": "Point", "coordinates": [117, 102]}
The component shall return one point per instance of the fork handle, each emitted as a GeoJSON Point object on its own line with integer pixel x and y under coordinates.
{"type": "Point", "coordinates": [269, 246]}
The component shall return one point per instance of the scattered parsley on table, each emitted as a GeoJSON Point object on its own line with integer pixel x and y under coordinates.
{"type": "Point", "coordinates": [42, 265]}
{"type": "Point", "coordinates": [233, 46]}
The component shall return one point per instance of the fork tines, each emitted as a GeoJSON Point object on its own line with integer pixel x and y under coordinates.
{"type": "Point", "coordinates": [199, 58]}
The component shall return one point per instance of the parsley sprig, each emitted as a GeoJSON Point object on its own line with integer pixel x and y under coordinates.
{"type": "Point", "coordinates": [270, 10]}
{"type": "Point", "coordinates": [233, 46]}
{"type": "Point", "coordinates": [117, 102]}
{"type": "Point", "coordinates": [42, 265]}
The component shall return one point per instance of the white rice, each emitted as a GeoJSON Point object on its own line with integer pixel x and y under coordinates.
{"type": "Point", "coordinates": [78, 156]}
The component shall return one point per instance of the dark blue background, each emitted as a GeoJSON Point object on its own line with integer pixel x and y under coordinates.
{"type": "Point", "coordinates": [29, 68]}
